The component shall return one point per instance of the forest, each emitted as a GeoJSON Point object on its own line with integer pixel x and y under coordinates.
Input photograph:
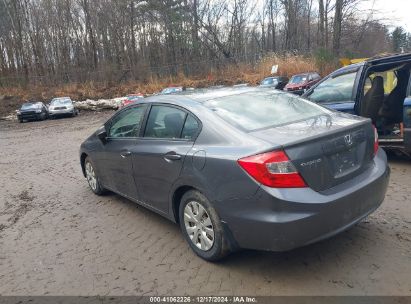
{"type": "Point", "coordinates": [55, 42]}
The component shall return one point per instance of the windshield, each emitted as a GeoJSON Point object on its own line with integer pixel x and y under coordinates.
{"type": "Point", "coordinates": [27, 106]}
{"type": "Point", "coordinates": [258, 110]}
{"type": "Point", "coordinates": [269, 81]}
{"type": "Point", "coordinates": [298, 79]}
{"type": "Point", "coordinates": [170, 90]}
{"type": "Point", "coordinates": [57, 102]}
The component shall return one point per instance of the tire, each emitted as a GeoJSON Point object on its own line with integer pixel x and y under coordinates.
{"type": "Point", "coordinates": [94, 184]}
{"type": "Point", "coordinates": [20, 120]}
{"type": "Point", "coordinates": [216, 247]}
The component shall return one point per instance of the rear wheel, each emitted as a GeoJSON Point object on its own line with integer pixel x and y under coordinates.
{"type": "Point", "coordinates": [92, 178]}
{"type": "Point", "coordinates": [201, 227]}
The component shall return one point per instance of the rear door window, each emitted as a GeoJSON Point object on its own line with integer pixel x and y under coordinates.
{"type": "Point", "coordinates": [165, 122]}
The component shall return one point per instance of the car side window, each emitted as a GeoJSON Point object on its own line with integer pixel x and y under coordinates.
{"type": "Point", "coordinates": [335, 89]}
{"type": "Point", "coordinates": [127, 123]}
{"type": "Point", "coordinates": [165, 122]}
{"type": "Point", "coordinates": [190, 128]}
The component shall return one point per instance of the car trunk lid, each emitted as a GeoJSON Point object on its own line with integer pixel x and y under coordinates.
{"type": "Point", "coordinates": [326, 150]}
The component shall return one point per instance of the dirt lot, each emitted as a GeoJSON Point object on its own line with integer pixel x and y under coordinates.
{"type": "Point", "coordinates": [58, 238]}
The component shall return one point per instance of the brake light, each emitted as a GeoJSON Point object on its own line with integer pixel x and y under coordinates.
{"type": "Point", "coordinates": [273, 169]}
{"type": "Point", "coordinates": [375, 141]}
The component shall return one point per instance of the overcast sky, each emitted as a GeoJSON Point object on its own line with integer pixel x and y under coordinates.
{"type": "Point", "coordinates": [391, 12]}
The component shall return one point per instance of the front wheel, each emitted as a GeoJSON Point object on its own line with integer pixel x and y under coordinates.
{"type": "Point", "coordinates": [201, 227]}
{"type": "Point", "coordinates": [92, 178]}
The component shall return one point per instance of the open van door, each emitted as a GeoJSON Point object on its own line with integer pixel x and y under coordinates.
{"type": "Point", "coordinates": [407, 121]}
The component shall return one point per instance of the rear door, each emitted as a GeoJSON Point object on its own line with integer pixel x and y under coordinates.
{"type": "Point", "coordinates": [337, 92]}
{"type": "Point", "coordinates": [168, 136]}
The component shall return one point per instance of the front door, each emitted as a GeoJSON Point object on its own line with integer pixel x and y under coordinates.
{"type": "Point", "coordinates": [123, 132]}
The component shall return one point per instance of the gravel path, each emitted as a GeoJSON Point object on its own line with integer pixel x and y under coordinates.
{"type": "Point", "coordinates": [58, 238]}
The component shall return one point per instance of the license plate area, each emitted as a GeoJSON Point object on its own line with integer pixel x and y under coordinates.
{"type": "Point", "coordinates": [345, 162]}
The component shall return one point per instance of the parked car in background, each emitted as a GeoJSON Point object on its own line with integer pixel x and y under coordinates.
{"type": "Point", "coordinates": [171, 90]}
{"type": "Point", "coordinates": [62, 106]}
{"type": "Point", "coordinates": [132, 98]}
{"type": "Point", "coordinates": [32, 111]}
{"type": "Point", "coordinates": [378, 88]}
{"type": "Point", "coordinates": [275, 82]}
{"type": "Point", "coordinates": [241, 168]}
{"type": "Point", "coordinates": [298, 84]}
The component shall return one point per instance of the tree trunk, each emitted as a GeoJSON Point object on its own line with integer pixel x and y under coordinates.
{"type": "Point", "coordinates": [337, 26]}
{"type": "Point", "coordinates": [321, 23]}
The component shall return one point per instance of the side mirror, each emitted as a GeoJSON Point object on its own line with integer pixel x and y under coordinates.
{"type": "Point", "coordinates": [102, 134]}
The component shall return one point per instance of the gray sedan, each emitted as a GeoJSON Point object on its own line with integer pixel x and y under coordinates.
{"type": "Point", "coordinates": [240, 168]}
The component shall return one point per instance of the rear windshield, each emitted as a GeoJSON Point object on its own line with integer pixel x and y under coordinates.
{"type": "Point", "coordinates": [259, 110]}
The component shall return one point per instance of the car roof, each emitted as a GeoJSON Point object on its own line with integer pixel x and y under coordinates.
{"type": "Point", "coordinates": [303, 74]}
{"type": "Point", "coordinates": [377, 60]}
{"type": "Point", "coordinates": [268, 77]}
{"type": "Point", "coordinates": [386, 58]}
{"type": "Point", "coordinates": [198, 96]}
{"type": "Point", "coordinates": [57, 98]}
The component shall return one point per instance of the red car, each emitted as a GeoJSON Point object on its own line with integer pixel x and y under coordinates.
{"type": "Point", "coordinates": [298, 84]}
{"type": "Point", "coordinates": [132, 98]}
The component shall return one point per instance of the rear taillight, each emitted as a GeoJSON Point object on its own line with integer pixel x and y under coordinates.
{"type": "Point", "coordinates": [273, 169]}
{"type": "Point", "coordinates": [375, 141]}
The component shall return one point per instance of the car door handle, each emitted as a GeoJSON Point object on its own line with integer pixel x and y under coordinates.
{"type": "Point", "coordinates": [172, 156]}
{"type": "Point", "coordinates": [125, 154]}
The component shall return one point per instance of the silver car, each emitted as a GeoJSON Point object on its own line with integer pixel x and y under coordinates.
{"type": "Point", "coordinates": [62, 106]}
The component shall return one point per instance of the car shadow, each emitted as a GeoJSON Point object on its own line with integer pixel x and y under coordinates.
{"type": "Point", "coordinates": [347, 245]}
{"type": "Point", "coordinates": [398, 157]}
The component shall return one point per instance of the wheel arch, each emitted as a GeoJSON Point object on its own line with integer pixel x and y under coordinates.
{"type": "Point", "coordinates": [176, 200]}
{"type": "Point", "coordinates": [82, 162]}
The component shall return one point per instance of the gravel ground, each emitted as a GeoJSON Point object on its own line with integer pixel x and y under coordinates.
{"type": "Point", "coordinates": [58, 238]}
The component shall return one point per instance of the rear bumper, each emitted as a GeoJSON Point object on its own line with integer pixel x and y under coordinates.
{"type": "Point", "coordinates": [283, 219]}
